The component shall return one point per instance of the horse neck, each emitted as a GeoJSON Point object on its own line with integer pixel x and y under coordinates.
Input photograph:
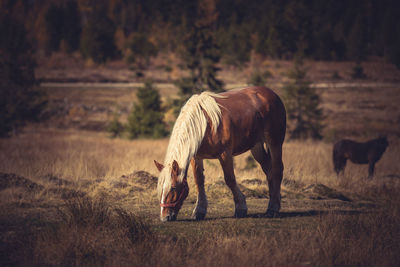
{"type": "Point", "coordinates": [190, 128]}
{"type": "Point", "coordinates": [184, 143]}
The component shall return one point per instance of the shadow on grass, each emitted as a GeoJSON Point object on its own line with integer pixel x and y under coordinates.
{"type": "Point", "coordinates": [282, 215]}
{"type": "Point", "coordinates": [307, 213]}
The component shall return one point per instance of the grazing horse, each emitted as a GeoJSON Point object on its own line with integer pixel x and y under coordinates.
{"type": "Point", "coordinates": [361, 153]}
{"type": "Point", "coordinates": [220, 126]}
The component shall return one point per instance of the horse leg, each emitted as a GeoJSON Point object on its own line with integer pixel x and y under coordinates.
{"type": "Point", "coordinates": [262, 157]}
{"type": "Point", "coordinates": [226, 161]}
{"type": "Point", "coordinates": [371, 169]}
{"type": "Point", "coordinates": [275, 180]}
{"type": "Point", "coordinates": [200, 210]}
{"type": "Point", "coordinates": [339, 162]}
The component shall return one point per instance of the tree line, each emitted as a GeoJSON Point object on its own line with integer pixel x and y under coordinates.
{"type": "Point", "coordinates": [204, 33]}
{"type": "Point", "coordinates": [137, 29]}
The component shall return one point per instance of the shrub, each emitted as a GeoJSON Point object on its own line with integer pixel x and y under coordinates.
{"type": "Point", "coordinates": [115, 127]}
{"type": "Point", "coordinates": [302, 105]}
{"type": "Point", "coordinates": [336, 75]}
{"type": "Point", "coordinates": [250, 163]}
{"type": "Point", "coordinates": [146, 119]}
{"type": "Point", "coordinates": [259, 79]}
{"type": "Point", "coordinates": [357, 71]}
{"type": "Point", "coordinates": [20, 100]}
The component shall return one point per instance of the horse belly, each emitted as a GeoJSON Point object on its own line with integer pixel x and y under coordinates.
{"type": "Point", "coordinates": [359, 160]}
{"type": "Point", "coordinates": [359, 157]}
{"type": "Point", "coordinates": [245, 140]}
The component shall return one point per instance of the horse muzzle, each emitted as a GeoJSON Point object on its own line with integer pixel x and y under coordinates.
{"type": "Point", "coordinates": [168, 218]}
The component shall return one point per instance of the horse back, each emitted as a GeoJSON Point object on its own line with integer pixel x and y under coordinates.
{"type": "Point", "coordinates": [248, 116]}
{"type": "Point", "coordinates": [361, 153]}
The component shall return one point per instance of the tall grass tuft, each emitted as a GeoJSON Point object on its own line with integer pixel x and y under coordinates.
{"type": "Point", "coordinates": [91, 233]}
{"type": "Point", "coordinates": [84, 212]}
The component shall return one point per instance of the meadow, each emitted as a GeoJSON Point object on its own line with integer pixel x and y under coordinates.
{"type": "Point", "coordinates": [81, 198]}
{"type": "Point", "coordinates": [72, 196]}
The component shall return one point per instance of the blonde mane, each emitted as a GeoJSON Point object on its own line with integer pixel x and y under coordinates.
{"type": "Point", "coordinates": [188, 133]}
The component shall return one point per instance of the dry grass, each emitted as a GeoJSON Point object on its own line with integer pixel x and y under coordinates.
{"type": "Point", "coordinates": [75, 208]}
{"type": "Point", "coordinates": [81, 198]}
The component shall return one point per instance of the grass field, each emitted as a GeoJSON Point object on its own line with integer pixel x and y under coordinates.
{"type": "Point", "coordinates": [80, 198]}
{"type": "Point", "coordinates": [72, 196]}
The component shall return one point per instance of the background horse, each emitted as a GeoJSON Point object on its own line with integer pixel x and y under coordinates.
{"type": "Point", "coordinates": [220, 126]}
{"type": "Point", "coordinates": [361, 153]}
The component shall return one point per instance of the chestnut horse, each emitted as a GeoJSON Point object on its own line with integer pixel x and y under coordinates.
{"type": "Point", "coordinates": [360, 153]}
{"type": "Point", "coordinates": [220, 126]}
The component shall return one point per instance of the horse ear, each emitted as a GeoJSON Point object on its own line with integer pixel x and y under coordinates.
{"type": "Point", "coordinates": [159, 166]}
{"type": "Point", "coordinates": [175, 168]}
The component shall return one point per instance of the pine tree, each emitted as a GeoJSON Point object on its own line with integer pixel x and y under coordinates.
{"type": "Point", "coordinates": [97, 41]}
{"type": "Point", "coordinates": [20, 99]}
{"type": "Point", "coordinates": [146, 119]}
{"type": "Point", "coordinates": [141, 50]}
{"type": "Point", "coordinates": [302, 105]}
{"type": "Point", "coordinates": [356, 44]}
{"type": "Point", "coordinates": [54, 27]}
{"type": "Point", "coordinates": [201, 53]}
{"type": "Point", "coordinates": [72, 25]}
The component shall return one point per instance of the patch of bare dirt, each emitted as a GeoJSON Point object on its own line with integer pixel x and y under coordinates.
{"type": "Point", "coordinates": [320, 191]}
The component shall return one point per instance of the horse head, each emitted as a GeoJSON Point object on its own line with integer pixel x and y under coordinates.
{"type": "Point", "coordinates": [172, 191]}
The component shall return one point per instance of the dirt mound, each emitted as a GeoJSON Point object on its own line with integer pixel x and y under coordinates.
{"type": "Point", "coordinates": [12, 180]}
{"type": "Point", "coordinates": [57, 181]}
{"type": "Point", "coordinates": [142, 178]}
{"type": "Point", "coordinates": [66, 193]}
{"type": "Point", "coordinates": [292, 184]}
{"type": "Point", "coordinates": [320, 191]}
{"type": "Point", "coordinates": [254, 181]}
{"type": "Point", "coordinates": [220, 190]}
{"type": "Point", "coordinates": [260, 192]}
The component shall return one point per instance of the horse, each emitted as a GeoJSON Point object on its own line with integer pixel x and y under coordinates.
{"type": "Point", "coordinates": [221, 126]}
{"type": "Point", "coordinates": [360, 153]}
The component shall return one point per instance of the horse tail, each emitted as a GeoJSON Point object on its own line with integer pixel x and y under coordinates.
{"type": "Point", "coordinates": [339, 161]}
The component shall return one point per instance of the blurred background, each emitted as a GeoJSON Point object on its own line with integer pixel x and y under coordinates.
{"type": "Point", "coordinates": [90, 90]}
{"type": "Point", "coordinates": [79, 63]}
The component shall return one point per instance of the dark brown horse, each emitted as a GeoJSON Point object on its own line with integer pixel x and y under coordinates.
{"type": "Point", "coordinates": [360, 153]}
{"type": "Point", "coordinates": [220, 126]}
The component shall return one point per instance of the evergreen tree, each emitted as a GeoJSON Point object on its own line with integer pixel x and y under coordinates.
{"type": "Point", "coordinates": [141, 50]}
{"type": "Point", "coordinates": [20, 100]}
{"type": "Point", "coordinates": [302, 105]}
{"type": "Point", "coordinates": [72, 25]}
{"type": "Point", "coordinates": [201, 53]}
{"type": "Point", "coordinates": [54, 27]}
{"type": "Point", "coordinates": [356, 41]}
{"type": "Point", "coordinates": [298, 17]}
{"type": "Point", "coordinates": [115, 127]}
{"type": "Point", "coordinates": [97, 41]}
{"type": "Point", "coordinates": [390, 31]}
{"type": "Point", "coordinates": [146, 119]}
{"type": "Point", "coordinates": [236, 42]}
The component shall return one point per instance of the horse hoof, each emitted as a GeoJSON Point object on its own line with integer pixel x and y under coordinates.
{"type": "Point", "coordinates": [240, 213]}
{"type": "Point", "coordinates": [272, 214]}
{"type": "Point", "coordinates": [198, 216]}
